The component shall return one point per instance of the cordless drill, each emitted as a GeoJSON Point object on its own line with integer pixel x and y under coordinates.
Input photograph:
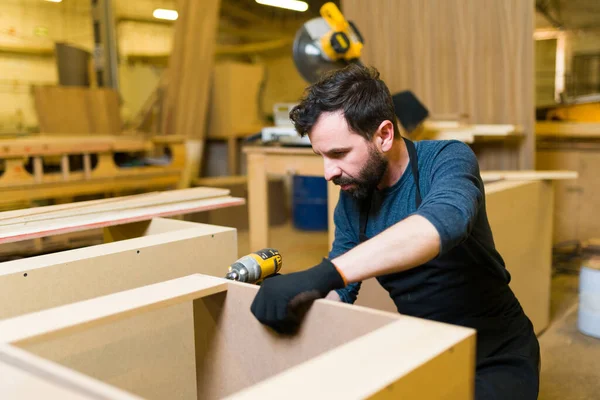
{"type": "Point", "coordinates": [255, 267]}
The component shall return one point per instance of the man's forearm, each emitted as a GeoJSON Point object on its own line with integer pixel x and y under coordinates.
{"type": "Point", "coordinates": [407, 244]}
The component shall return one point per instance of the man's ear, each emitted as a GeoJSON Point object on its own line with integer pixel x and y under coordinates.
{"type": "Point", "coordinates": [384, 136]}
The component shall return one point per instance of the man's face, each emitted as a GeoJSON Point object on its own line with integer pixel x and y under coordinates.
{"type": "Point", "coordinates": [351, 161]}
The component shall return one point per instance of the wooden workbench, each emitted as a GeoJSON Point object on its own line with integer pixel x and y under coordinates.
{"type": "Point", "coordinates": [264, 161]}
{"type": "Point", "coordinates": [25, 175]}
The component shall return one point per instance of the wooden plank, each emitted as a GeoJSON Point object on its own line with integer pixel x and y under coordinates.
{"type": "Point", "coordinates": [528, 175]}
{"type": "Point", "coordinates": [44, 325]}
{"type": "Point", "coordinates": [580, 130]}
{"type": "Point", "coordinates": [48, 145]}
{"type": "Point", "coordinates": [101, 219]}
{"type": "Point", "coordinates": [258, 208]}
{"type": "Point", "coordinates": [470, 58]}
{"type": "Point", "coordinates": [112, 204]}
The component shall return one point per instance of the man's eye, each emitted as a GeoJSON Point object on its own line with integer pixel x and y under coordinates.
{"type": "Point", "coordinates": [339, 153]}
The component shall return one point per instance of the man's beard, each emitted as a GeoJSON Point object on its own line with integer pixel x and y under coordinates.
{"type": "Point", "coordinates": [369, 176]}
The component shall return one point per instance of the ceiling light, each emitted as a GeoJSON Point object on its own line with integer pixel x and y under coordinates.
{"type": "Point", "coordinates": [161, 13]}
{"type": "Point", "coordinates": [53, 1]}
{"type": "Point", "coordinates": [289, 4]}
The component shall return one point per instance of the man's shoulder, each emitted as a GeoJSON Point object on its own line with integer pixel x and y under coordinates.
{"type": "Point", "coordinates": [441, 150]}
{"type": "Point", "coordinates": [436, 146]}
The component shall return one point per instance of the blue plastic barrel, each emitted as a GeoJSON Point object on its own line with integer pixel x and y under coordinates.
{"type": "Point", "coordinates": [309, 203]}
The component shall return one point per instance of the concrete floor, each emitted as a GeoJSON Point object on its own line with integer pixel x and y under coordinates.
{"type": "Point", "coordinates": [570, 360]}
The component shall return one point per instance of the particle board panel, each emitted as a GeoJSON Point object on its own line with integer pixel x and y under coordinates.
{"type": "Point", "coordinates": [460, 57]}
{"type": "Point", "coordinates": [37, 283]}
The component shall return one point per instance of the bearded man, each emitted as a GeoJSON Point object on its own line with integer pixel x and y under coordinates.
{"type": "Point", "coordinates": [413, 216]}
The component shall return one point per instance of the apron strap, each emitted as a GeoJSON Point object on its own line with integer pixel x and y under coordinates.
{"type": "Point", "coordinates": [414, 166]}
{"type": "Point", "coordinates": [366, 204]}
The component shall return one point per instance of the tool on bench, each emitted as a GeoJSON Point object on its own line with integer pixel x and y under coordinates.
{"type": "Point", "coordinates": [255, 267]}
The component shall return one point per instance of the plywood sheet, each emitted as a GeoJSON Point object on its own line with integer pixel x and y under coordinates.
{"type": "Point", "coordinates": [77, 110]}
{"type": "Point", "coordinates": [460, 57]}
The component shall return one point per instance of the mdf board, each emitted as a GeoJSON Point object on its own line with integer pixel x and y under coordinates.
{"type": "Point", "coordinates": [195, 338]}
{"type": "Point", "coordinates": [76, 110]}
{"type": "Point", "coordinates": [234, 99]}
{"type": "Point", "coordinates": [520, 215]}
{"type": "Point", "coordinates": [470, 58]}
{"type": "Point", "coordinates": [24, 376]}
{"type": "Point", "coordinates": [138, 254]}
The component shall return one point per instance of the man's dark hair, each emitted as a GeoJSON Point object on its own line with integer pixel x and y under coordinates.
{"type": "Point", "coordinates": [355, 90]}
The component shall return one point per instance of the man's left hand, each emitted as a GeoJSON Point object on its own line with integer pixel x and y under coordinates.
{"type": "Point", "coordinates": [281, 299]}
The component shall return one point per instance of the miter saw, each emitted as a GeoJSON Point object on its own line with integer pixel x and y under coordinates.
{"type": "Point", "coordinates": [321, 45]}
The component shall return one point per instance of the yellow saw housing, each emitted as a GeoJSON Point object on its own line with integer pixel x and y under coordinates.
{"type": "Point", "coordinates": [342, 41]}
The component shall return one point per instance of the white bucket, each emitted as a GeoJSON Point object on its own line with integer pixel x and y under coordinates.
{"type": "Point", "coordinates": [589, 298]}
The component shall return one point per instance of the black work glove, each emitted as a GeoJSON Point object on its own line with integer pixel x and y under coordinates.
{"type": "Point", "coordinates": [282, 300]}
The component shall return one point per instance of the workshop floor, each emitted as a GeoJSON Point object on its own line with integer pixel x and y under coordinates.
{"type": "Point", "coordinates": [570, 360]}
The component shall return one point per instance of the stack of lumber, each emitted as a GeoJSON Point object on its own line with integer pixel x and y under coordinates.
{"type": "Point", "coordinates": [66, 218]}
{"type": "Point", "coordinates": [54, 228]}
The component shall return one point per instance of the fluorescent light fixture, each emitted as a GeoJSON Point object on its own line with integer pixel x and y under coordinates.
{"type": "Point", "coordinates": [54, 1]}
{"type": "Point", "coordinates": [161, 13]}
{"type": "Point", "coordinates": [289, 4]}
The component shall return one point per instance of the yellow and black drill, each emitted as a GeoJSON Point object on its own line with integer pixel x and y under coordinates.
{"type": "Point", "coordinates": [255, 267]}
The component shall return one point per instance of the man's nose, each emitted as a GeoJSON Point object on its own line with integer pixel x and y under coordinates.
{"type": "Point", "coordinates": [331, 170]}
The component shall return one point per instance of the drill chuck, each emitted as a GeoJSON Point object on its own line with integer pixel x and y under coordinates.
{"type": "Point", "coordinates": [256, 266]}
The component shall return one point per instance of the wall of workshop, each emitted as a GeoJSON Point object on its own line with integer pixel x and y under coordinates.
{"type": "Point", "coordinates": [28, 26]}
